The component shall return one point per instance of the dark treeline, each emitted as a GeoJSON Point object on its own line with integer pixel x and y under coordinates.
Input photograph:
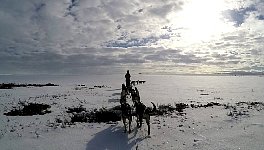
{"type": "Point", "coordinates": [13, 85]}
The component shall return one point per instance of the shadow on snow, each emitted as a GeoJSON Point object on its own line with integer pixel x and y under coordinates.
{"type": "Point", "coordinates": [113, 138]}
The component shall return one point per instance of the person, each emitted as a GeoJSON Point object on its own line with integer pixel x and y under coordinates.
{"type": "Point", "coordinates": [123, 87]}
{"type": "Point", "coordinates": [127, 76]}
{"type": "Point", "coordinates": [133, 96]}
{"type": "Point", "coordinates": [137, 93]}
{"type": "Point", "coordinates": [123, 94]}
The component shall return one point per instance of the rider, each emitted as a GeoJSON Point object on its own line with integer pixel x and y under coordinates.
{"type": "Point", "coordinates": [127, 76]}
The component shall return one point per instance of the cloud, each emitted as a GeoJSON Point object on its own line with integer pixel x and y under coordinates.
{"type": "Point", "coordinates": [69, 36]}
{"type": "Point", "coordinates": [136, 42]}
{"type": "Point", "coordinates": [238, 16]}
{"type": "Point", "coordinates": [132, 42]}
{"type": "Point", "coordinates": [85, 60]}
{"type": "Point", "coordinates": [163, 10]}
{"type": "Point", "coordinates": [174, 56]}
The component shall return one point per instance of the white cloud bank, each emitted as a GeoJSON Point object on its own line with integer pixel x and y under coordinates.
{"type": "Point", "coordinates": [91, 36]}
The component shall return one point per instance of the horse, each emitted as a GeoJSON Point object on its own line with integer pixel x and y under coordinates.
{"type": "Point", "coordinates": [143, 112]}
{"type": "Point", "coordinates": [126, 113]}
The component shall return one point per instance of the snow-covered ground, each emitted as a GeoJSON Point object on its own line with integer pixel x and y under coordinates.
{"type": "Point", "coordinates": [200, 128]}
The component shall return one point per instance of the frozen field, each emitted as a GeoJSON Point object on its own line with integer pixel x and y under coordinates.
{"type": "Point", "coordinates": [201, 128]}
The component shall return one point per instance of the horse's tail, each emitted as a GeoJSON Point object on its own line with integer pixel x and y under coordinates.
{"type": "Point", "coordinates": [154, 107]}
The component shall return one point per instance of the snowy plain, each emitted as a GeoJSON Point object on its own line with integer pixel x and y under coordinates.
{"type": "Point", "coordinates": [200, 128]}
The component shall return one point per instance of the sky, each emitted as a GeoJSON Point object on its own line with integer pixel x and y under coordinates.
{"type": "Point", "coordinates": [147, 36]}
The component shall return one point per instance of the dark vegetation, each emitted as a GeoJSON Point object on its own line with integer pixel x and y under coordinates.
{"type": "Point", "coordinates": [211, 104]}
{"type": "Point", "coordinates": [241, 109]}
{"type": "Point", "coordinates": [29, 110]}
{"type": "Point", "coordinates": [76, 109]}
{"type": "Point", "coordinates": [168, 109]}
{"type": "Point", "coordinates": [83, 86]}
{"type": "Point", "coordinates": [100, 86]}
{"type": "Point", "coordinates": [13, 85]}
{"type": "Point", "coordinates": [80, 114]}
{"type": "Point", "coordinates": [136, 82]}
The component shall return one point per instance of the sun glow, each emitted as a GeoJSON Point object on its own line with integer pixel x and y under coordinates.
{"type": "Point", "coordinates": [202, 20]}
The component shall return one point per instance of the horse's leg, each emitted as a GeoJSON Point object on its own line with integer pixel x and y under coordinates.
{"type": "Point", "coordinates": [124, 121]}
{"type": "Point", "coordinates": [137, 121]}
{"type": "Point", "coordinates": [148, 123]}
{"type": "Point", "coordinates": [129, 123]}
{"type": "Point", "coordinates": [148, 129]}
{"type": "Point", "coordinates": [140, 120]}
